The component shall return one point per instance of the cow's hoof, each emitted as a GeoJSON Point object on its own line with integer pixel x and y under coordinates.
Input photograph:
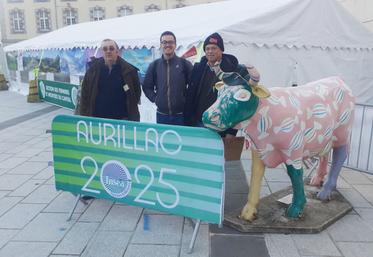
{"type": "Point", "coordinates": [294, 211]}
{"type": "Point", "coordinates": [325, 195]}
{"type": "Point", "coordinates": [248, 213]}
{"type": "Point", "coordinates": [316, 182]}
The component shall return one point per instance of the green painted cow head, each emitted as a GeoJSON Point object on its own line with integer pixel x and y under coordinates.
{"type": "Point", "coordinates": [237, 101]}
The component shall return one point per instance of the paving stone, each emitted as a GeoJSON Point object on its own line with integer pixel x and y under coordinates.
{"type": "Point", "coordinates": [278, 175]}
{"type": "Point", "coordinates": [27, 188]}
{"type": "Point", "coordinates": [162, 229]}
{"type": "Point", "coordinates": [4, 156]}
{"type": "Point", "coordinates": [122, 218]}
{"type": "Point", "coordinates": [12, 182]}
{"type": "Point", "coordinates": [64, 203]}
{"type": "Point", "coordinates": [45, 174]}
{"type": "Point", "coordinates": [275, 186]}
{"type": "Point", "coordinates": [43, 194]}
{"type": "Point", "coordinates": [279, 245]}
{"type": "Point", "coordinates": [3, 171]}
{"type": "Point", "coordinates": [47, 227]}
{"type": "Point", "coordinates": [355, 177]}
{"type": "Point", "coordinates": [42, 156]}
{"type": "Point", "coordinates": [236, 186]}
{"type": "Point", "coordinates": [351, 228]}
{"type": "Point", "coordinates": [20, 215]}
{"type": "Point", "coordinates": [76, 239]}
{"type": "Point", "coordinates": [97, 211]}
{"type": "Point", "coordinates": [315, 244]}
{"type": "Point", "coordinates": [238, 246]}
{"type": "Point", "coordinates": [29, 152]}
{"type": "Point", "coordinates": [355, 198]}
{"type": "Point", "coordinates": [28, 168]}
{"type": "Point", "coordinates": [108, 243]}
{"type": "Point", "coordinates": [136, 250]}
{"type": "Point", "coordinates": [6, 203]}
{"type": "Point", "coordinates": [201, 246]}
{"type": "Point", "coordinates": [366, 191]}
{"type": "Point", "coordinates": [4, 193]}
{"type": "Point", "coordinates": [27, 249]}
{"type": "Point", "coordinates": [6, 235]}
{"type": "Point", "coordinates": [351, 249]}
{"type": "Point", "coordinates": [341, 183]}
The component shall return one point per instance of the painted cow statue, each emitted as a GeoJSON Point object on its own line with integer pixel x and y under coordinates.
{"type": "Point", "coordinates": [286, 125]}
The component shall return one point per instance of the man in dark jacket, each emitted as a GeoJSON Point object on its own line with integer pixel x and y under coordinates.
{"type": "Point", "coordinates": [166, 81]}
{"type": "Point", "coordinates": [201, 93]}
{"type": "Point", "coordinates": [111, 87]}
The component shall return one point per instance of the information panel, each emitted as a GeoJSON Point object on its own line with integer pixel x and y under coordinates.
{"type": "Point", "coordinates": [173, 169]}
{"type": "Point", "coordinates": [58, 93]}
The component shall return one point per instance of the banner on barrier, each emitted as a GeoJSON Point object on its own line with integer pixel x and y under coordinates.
{"type": "Point", "coordinates": [58, 93]}
{"type": "Point", "coordinates": [173, 169]}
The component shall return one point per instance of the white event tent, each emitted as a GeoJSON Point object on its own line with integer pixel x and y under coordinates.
{"type": "Point", "coordinates": [289, 41]}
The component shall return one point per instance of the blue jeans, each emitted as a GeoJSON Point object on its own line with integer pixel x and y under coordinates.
{"type": "Point", "coordinates": [177, 119]}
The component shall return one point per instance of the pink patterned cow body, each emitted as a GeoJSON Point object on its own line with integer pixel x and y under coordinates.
{"type": "Point", "coordinates": [297, 123]}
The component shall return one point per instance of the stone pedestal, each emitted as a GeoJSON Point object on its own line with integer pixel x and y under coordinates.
{"type": "Point", "coordinates": [271, 214]}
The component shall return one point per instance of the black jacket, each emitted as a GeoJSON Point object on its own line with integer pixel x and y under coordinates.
{"type": "Point", "coordinates": [201, 94]}
{"type": "Point", "coordinates": [165, 84]}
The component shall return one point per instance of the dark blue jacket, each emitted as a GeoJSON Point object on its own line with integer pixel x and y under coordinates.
{"type": "Point", "coordinates": [166, 82]}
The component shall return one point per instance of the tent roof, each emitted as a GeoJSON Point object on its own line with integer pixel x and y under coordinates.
{"type": "Point", "coordinates": [291, 23]}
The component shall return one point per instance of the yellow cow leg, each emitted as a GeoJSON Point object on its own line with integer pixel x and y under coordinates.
{"type": "Point", "coordinates": [257, 172]}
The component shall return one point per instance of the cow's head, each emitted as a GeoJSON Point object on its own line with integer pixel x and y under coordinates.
{"type": "Point", "coordinates": [237, 101]}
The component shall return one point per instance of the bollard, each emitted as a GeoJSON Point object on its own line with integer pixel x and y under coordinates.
{"type": "Point", "coordinates": [33, 96]}
{"type": "Point", "coordinates": [3, 82]}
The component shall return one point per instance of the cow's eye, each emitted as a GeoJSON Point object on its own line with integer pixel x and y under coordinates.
{"type": "Point", "coordinates": [242, 95]}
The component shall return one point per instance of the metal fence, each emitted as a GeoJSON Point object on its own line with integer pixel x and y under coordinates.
{"type": "Point", "coordinates": [361, 149]}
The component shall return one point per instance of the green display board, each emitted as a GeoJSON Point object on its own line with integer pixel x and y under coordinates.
{"type": "Point", "coordinates": [58, 93]}
{"type": "Point", "coordinates": [173, 169]}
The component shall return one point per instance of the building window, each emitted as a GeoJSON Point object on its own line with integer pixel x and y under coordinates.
{"type": "Point", "coordinates": [70, 16]}
{"type": "Point", "coordinates": [40, 1]}
{"type": "Point", "coordinates": [152, 8]}
{"type": "Point", "coordinates": [15, 1]}
{"type": "Point", "coordinates": [17, 21]}
{"type": "Point", "coordinates": [124, 10]}
{"type": "Point", "coordinates": [43, 20]}
{"type": "Point", "coordinates": [97, 13]}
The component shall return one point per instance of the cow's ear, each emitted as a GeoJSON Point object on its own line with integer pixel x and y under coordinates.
{"type": "Point", "coordinates": [242, 95]}
{"type": "Point", "coordinates": [260, 91]}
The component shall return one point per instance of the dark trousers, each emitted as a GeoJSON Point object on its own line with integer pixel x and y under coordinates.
{"type": "Point", "coordinates": [177, 119]}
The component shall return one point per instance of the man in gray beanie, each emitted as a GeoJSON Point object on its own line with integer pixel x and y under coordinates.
{"type": "Point", "coordinates": [200, 93]}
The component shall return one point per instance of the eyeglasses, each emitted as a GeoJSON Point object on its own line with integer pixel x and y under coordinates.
{"type": "Point", "coordinates": [110, 48]}
{"type": "Point", "coordinates": [164, 42]}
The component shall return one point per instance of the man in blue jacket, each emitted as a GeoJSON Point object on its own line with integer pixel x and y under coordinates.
{"type": "Point", "coordinates": [166, 82]}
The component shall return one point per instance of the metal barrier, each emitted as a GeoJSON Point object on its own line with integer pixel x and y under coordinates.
{"type": "Point", "coordinates": [361, 142]}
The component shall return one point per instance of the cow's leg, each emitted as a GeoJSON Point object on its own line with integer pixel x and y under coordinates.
{"type": "Point", "coordinates": [299, 200]}
{"type": "Point", "coordinates": [257, 172]}
{"type": "Point", "coordinates": [318, 177]}
{"type": "Point", "coordinates": [339, 157]}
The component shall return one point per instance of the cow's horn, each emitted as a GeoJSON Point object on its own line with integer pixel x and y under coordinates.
{"type": "Point", "coordinates": [260, 91]}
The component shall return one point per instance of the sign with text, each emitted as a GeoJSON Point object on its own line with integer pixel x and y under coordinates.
{"type": "Point", "coordinates": [173, 169]}
{"type": "Point", "coordinates": [58, 93]}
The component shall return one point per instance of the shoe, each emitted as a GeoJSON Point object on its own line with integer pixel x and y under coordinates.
{"type": "Point", "coordinates": [87, 197]}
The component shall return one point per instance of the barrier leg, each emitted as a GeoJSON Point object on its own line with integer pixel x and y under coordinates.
{"type": "Point", "coordinates": [194, 236]}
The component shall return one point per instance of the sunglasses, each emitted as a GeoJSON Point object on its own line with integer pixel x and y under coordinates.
{"type": "Point", "coordinates": [110, 48]}
{"type": "Point", "coordinates": [164, 42]}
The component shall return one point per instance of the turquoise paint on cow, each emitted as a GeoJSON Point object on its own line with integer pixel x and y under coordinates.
{"type": "Point", "coordinates": [227, 111]}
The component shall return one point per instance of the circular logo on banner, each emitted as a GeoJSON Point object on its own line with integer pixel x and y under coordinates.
{"type": "Point", "coordinates": [42, 89]}
{"type": "Point", "coordinates": [116, 179]}
{"type": "Point", "coordinates": [74, 94]}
